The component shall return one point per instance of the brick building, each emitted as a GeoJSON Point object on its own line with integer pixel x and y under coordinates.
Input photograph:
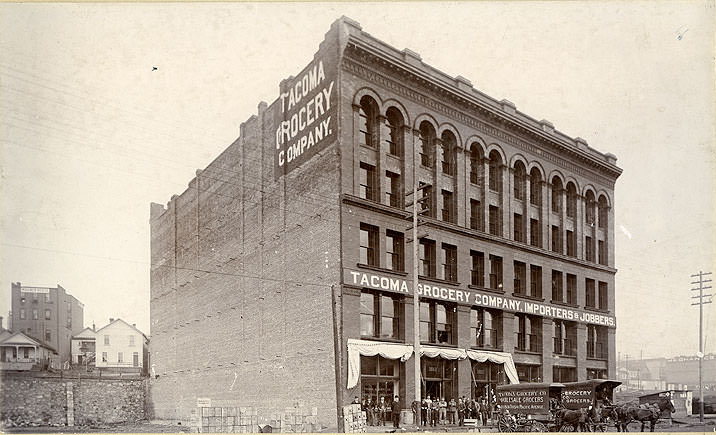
{"type": "Point", "coordinates": [47, 314]}
{"type": "Point", "coordinates": [284, 271]}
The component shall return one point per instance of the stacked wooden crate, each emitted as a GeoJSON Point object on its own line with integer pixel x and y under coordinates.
{"type": "Point", "coordinates": [354, 420]}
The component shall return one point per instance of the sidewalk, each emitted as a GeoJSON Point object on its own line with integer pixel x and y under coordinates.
{"type": "Point", "coordinates": [411, 428]}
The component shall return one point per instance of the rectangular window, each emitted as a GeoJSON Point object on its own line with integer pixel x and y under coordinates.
{"type": "Point", "coordinates": [528, 373]}
{"type": "Point", "coordinates": [535, 281]}
{"type": "Point", "coordinates": [393, 192]}
{"type": "Point", "coordinates": [135, 359]}
{"type": "Point", "coordinates": [48, 335]}
{"type": "Point", "coordinates": [564, 338]}
{"type": "Point", "coordinates": [131, 340]}
{"type": "Point", "coordinates": [48, 298]}
{"type": "Point", "coordinates": [478, 268]}
{"type": "Point", "coordinates": [476, 215]}
{"type": "Point", "coordinates": [597, 342]}
{"type": "Point", "coordinates": [602, 253]}
{"type": "Point", "coordinates": [564, 374]}
{"type": "Point", "coordinates": [589, 248]}
{"type": "Point", "coordinates": [22, 314]}
{"type": "Point", "coordinates": [557, 291]}
{"type": "Point", "coordinates": [437, 322]}
{"type": "Point", "coordinates": [556, 198]}
{"type": "Point", "coordinates": [35, 314]}
{"type": "Point", "coordinates": [450, 262]}
{"type": "Point", "coordinates": [448, 211]}
{"type": "Point", "coordinates": [535, 192]}
{"type": "Point", "coordinates": [106, 340]}
{"type": "Point", "coordinates": [556, 239]}
{"type": "Point", "coordinates": [520, 270]}
{"type": "Point", "coordinates": [571, 244]}
{"type": "Point", "coordinates": [427, 199]}
{"type": "Point", "coordinates": [368, 186]}
{"type": "Point", "coordinates": [119, 357]}
{"type": "Point", "coordinates": [104, 356]}
{"type": "Point", "coordinates": [390, 133]}
{"type": "Point", "coordinates": [590, 218]}
{"type": "Point", "coordinates": [427, 258]}
{"type": "Point", "coordinates": [590, 296]}
{"type": "Point", "coordinates": [603, 296]}
{"type": "Point", "coordinates": [495, 272]}
{"type": "Point", "coordinates": [368, 245]}
{"type": "Point", "coordinates": [519, 231]}
{"type": "Point", "coordinates": [48, 314]}
{"type": "Point", "coordinates": [535, 233]}
{"type": "Point", "coordinates": [603, 218]}
{"type": "Point", "coordinates": [528, 330]}
{"type": "Point", "coordinates": [485, 328]}
{"type": "Point", "coordinates": [394, 258]}
{"type": "Point", "coordinates": [571, 289]}
{"type": "Point", "coordinates": [380, 315]}
{"type": "Point", "coordinates": [495, 227]}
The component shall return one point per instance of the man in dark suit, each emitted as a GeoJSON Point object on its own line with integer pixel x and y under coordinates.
{"type": "Point", "coordinates": [396, 412]}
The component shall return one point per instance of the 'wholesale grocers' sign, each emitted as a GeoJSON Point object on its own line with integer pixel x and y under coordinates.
{"type": "Point", "coordinates": [473, 297]}
{"type": "Point", "coordinates": [306, 120]}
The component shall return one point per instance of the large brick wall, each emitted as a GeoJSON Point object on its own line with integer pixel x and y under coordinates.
{"type": "Point", "coordinates": [243, 268]}
{"type": "Point", "coordinates": [45, 401]}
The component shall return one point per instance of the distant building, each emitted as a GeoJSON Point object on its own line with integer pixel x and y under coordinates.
{"type": "Point", "coordinates": [121, 347]}
{"type": "Point", "coordinates": [49, 315]}
{"type": "Point", "coordinates": [20, 352]}
{"type": "Point", "coordinates": [682, 372]}
{"type": "Point", "coordinates": [83, 347]}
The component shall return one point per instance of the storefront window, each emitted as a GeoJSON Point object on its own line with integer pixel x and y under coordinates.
{"type": "Point", "coordinates": [485, 377]}
{"type": "Point", "coordinates": [380, 377]}
{"type": "Point", "coordinates": [529, 373]}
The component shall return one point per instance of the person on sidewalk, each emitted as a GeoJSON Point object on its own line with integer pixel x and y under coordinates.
{"type": "Point", "coordinates": [396, 412]}
{"type": "Point", "coordinates": [443, 411]}
{"type": "Point", "coordinates": [452, 411]}
{"type": "Point", "coordinates": [461, 411]}
{"type": "Point", "coordinates": [484, 411]}
{"type": "Point", "coordinates": [435, 412]}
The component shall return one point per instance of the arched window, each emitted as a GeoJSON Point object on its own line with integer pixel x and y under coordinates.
{"type": "Point", "coordinates": [603, 212]}
{"type": "Point", "coordinates": [427, 142]}
{"type": "Point", "coordinates": [571, 200]}
{"type": "Point", "coordinates": [476, 168]}
{"type": "Point", "coordinates": [535, 187]}
{"type": "Point", "coordinates": [589, 215]}
{"type": "Point", "coordinates": [392, 131]}
{"type": "Point", "coordinates": [556, 195]}
{"type": "Point", "coordinates": [520, 175]}
{"type": "Point", "coordinates": [495, 171]}
{"type": "Point", "coordinates": [368, 122]}
{"type": "Point", "coordinates": [448, 144]}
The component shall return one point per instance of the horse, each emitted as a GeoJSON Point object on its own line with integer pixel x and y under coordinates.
{"type": "Point", "coordinates": [651, 412]}
{"type": "Point", "coordinates": [575, 418]}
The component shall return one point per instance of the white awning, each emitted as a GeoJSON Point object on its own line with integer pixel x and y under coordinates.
{"type": "Point", "coordinates": [442, 352]}
{"type": "Point", "coordinates": [498, 358]}
{"type": "Point", "coordinates": [356, 348]}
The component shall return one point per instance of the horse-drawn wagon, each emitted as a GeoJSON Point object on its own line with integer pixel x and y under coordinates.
{"type": "Point", "coordinates": [588, 405]}
{"type": "Point", "coordinates": [527, 407]}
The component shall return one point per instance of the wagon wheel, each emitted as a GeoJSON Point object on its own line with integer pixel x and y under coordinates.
{"type": "Point", "coordinates": [566, 428]}
{"type": "Point", "coordinates": [537, 426]}
{"type": "Point", "coordinates": [600, 427]}
{"type": "Point", "coordinates": [506, 424]}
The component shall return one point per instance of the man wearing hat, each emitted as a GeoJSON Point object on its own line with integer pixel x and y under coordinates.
{"type": "Point", "coordinates": [396, 412]}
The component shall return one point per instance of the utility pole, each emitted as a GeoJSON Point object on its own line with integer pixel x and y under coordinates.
{"type": "Point", "coordinates": [700, 303]}
{"type": "Point", "coordinates": [416, 298]}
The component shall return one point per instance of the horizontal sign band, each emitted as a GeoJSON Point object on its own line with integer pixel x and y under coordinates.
{"type": "Point", "coordinates": [472, 297]}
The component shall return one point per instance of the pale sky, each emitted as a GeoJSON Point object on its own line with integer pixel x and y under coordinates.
{"type": "Point", "coordinates": [91, 134]}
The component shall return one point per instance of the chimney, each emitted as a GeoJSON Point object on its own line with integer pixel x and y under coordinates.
{"type": "Point", "coordinates": [93, 326]}
{"type": "Point", "coordinates": [111, 319]}
{"type": "Point", "coordinates": [133, 324]}
{"type": "Point", "coordinates": [1, 327]}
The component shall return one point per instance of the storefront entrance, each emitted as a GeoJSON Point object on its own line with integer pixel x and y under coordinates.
{"type": "Point", "coordinates": [439, 378]}
{"type": "Point", "coordinates": [485, 377]}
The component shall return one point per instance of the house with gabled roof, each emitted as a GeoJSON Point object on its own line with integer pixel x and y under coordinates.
{"type": "Point", "coordinates": [120, 346]}
{"type": "Point", "coordinates": [21, 352]}
{"type": "Point", "coordinates": [83, 347]}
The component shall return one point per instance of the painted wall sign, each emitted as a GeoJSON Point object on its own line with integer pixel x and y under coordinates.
{"type": "Point", "coordinates": [203, 402]}
{"type": "Point", "coordinates": [473, 297]}
{"type": "Point", "coordinates": [307, 115]}
{"type": "Point", "coordinates": [42, 290]}
{"type": "Point", "coordinates": [524, 401]}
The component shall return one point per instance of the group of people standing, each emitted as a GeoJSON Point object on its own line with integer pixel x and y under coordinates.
{"type": "Point", "coordinates": [441, 412]}
{"type": "Point", "coordinates": [380, 412]}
